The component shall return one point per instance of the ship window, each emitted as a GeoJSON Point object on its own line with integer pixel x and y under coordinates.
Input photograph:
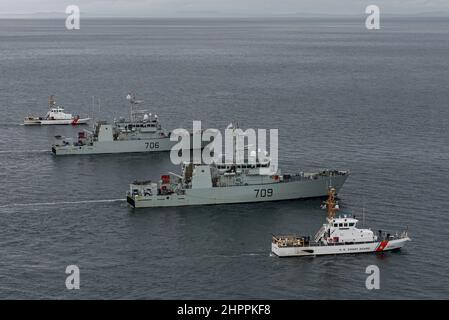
{"type": "Point", "coordinates": [340, 225]}
{"type": "Point", "coordinates": [345, 225]}
{"type": "Point", "coordinates": [335, 224]}
{"type": "Point", "coordinates": [351, 224]}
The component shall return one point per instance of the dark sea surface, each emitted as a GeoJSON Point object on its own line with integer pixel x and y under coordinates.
{"type": "Point", "coordinates": [374, 102]}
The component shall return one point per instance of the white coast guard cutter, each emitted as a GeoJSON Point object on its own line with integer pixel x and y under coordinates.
{"type": "Point", "coordinates": [55, 115]}
{"type": "Point", "coordinates": [339, 235]}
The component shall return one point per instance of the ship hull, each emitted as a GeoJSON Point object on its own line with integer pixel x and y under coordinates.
{"type": "Point", "coordinates": [379, 246]}
{"type": "Point", "coordinates": [34, 122]}
{"type": "Point", "coordinates": [117, 146]}
{"type": "Point", "coordinates": [304, 188]}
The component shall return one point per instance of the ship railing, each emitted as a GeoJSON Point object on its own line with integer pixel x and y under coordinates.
{"type": "Point", "coordinates": [289, 178]}
{"type": "Point", "coordinates": [313, 176]}
{"type": "Point", "coordinates": [288, 241]}
{"type": "Point", "coordinates": [140, 183]}
{"type": "Point", "coordinates": [385, 235]}
{"type": "Point", "coordinates": [319, 244]}
{"type": "Point", "coordinates": [293, 241]}
{"type": "Point", "coordinates": [320, 233]}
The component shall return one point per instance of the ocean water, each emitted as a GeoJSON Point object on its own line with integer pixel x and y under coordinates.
{"type": "Point", "coordinates": [374, 102]}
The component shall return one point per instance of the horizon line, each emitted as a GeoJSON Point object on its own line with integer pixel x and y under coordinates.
{"type": "Point", "coordinates": [63, 16]}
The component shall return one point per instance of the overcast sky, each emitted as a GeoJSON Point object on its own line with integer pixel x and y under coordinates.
{"type": "Point", "coordinates": [179, 8]}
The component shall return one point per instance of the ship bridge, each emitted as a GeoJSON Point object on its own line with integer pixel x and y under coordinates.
{"type": "Point", "coordinates": [344, 222]}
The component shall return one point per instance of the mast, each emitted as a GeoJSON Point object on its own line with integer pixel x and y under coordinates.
{"type": "Point", "coordinates": [132, 102]}
{"type": "Point", "coordinates": [93, 112]}
{"type": "Point", "coordinates": [51, 101]}
{"type": "Point", "coordinates": [99, 106]}
{"type": "Point", "coordinates": [331, 204]}
{"type": "Point", "coordinates": [130, 98]}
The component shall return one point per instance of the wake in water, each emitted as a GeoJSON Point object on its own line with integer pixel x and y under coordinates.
{"type": "Point", "coordinates": [56, 203]}
{"type": "Point", "coordinates": [255, 254]}
{"type": "Point", "coordinates": [11, 124]}
{"type": "Point", "coordinates": [23, 151]}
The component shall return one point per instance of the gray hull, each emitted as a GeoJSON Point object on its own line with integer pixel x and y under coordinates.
{"type": "Point", "coordinates": [118, 146]}
{"type": "Point", "coordinates": [304, 188]}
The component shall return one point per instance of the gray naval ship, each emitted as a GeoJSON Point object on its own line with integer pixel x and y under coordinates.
{"type": "Point", "coordinates": [223, 183]}
{"type": "Point", "coordinates": [142, 132]}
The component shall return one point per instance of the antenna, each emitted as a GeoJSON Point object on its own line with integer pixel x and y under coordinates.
{"type": "Point", "coordinates": [93, 111]}
{"type": "Point", "coordinates": [363, 210]}
{"type": "Point", "coordinates": [130, 98]}
{"type": "Point", "coordinates": [51, 101]}
{"type": "Point", "coordinates": [363, 217]}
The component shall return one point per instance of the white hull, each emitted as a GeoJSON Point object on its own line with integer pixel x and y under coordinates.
{"type": "Point", "coordinates": [117, 146]}
{"type": "Point", "coordinates": [55, 122]}
{"type": "Point", "coordinates": [305, 188]}
{"type": "Point", "coordinates": [379, 246]}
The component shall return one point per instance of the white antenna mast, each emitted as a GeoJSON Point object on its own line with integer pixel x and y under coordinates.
{"type": "Point", "coordinates": [93, 111]}
{"type": "Point", "coordinates": [130, 98]}
{"type": "Point", "coordinates": [363, 211]}
{"type": "Point", "coordinates": [363, 217]}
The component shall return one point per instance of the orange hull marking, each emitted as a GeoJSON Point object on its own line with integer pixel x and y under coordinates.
{"type": "Point", "coordinates": [382, 246]}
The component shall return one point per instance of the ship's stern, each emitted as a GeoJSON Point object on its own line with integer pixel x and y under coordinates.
{"type": "Point", "coordinates": [58, 150]}
{"type": "Point", "coordinates": [275, 249]}
{"type": "Point", "coordinates": [131, 201]}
